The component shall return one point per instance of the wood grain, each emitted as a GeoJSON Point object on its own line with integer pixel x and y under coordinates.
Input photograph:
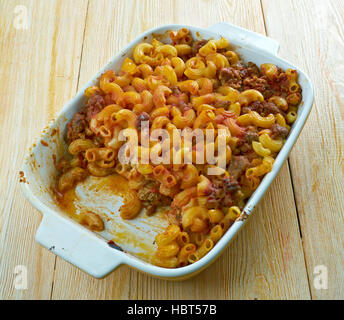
{"type": "Point", "coordinates": [274, 256]}
{"type": "Point", "coordinates": [266, 260]}
{"type": "Point", "coordinates": [317, 161]}
{"type": "Point", "coordinates": [38, 73]}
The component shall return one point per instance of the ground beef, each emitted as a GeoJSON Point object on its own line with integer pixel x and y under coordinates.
{"type": "Point", "coordinates": [247, 77]}
{"type": "Point", "coordinates": [245, 147]}
{"type": "Point", "coordinates": [244, 144]}
{"type": "Point", "coordinates": [151, 198]}
{"type": "Point", "coordinates": [253, 69]}
{"type": "Point", "coordinates": [150, 193]}
{"type": "Point", "coordinates": [237, 166]}
{"type": "Point", "coordinates": [251, 135]}
{"type": "Point", "coordinates": [280, 84]}
{"type": "Point", "coordinates": [263, 108]}
{"type": "Point", "coordinates": [231, 77]}
{"type": "Point", "coordinates": [222, 192]}
{"type": "Point", "coordinates": [94, 105]}
{"type": "Point", "coordinates": [150, 209]}
{"type": "Point", "coordinates": [198, 45]}
{"type": "Point", "coordinates": [279, 131]}
{"type": "Point", "coordinates": [257, 83]}
{"type": "Point", "coordinates": [251, 155]}
{"type": "Point", "coordinates": [242, 77]}
{"type": "Point", "coordinates": [222, 103]}
{"type": "Point", "coordinates": [76, 127]}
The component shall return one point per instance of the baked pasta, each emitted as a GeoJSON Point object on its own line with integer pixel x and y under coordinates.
{"type": "Point", "coordinates": [191, 127]}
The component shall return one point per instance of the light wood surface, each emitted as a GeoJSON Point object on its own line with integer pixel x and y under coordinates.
{"type": "Point", "coordinates": [297, 226]}
{"type": "Point", "coordinates": [317, 161]}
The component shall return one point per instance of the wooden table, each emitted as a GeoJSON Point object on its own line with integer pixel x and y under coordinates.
{"type": "Point", "coordinates": [298, 225]}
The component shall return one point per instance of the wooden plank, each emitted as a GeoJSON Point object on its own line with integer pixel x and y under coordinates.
{"type": "Point", "coordinates": [311, 36]}
{"type": "Point", "coordinates": [266, 260]}
{"type": "Point", "coordinates": [38, 74]}
{"type": "Point", "coordinates": [103, 37]}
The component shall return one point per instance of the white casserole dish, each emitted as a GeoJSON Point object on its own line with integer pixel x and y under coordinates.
{"type": "Point", "coordinates": [89, 251]}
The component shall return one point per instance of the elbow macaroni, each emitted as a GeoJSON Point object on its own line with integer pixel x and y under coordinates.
{"type": "Point", "coordinates": [192, 86]}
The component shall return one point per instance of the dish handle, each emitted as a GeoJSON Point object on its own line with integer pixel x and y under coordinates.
{"type": "Point", "coordinates": [83, 249]}
{"type": "Point", "coordinates": [247, 37]}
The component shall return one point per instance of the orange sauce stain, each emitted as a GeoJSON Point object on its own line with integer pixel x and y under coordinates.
{"type": "Point", "coordinates": [115, 184]}
{"type": "Point", "coordinates": [66, 203]}
{"type": "Point", "coordinates": [127, 233]}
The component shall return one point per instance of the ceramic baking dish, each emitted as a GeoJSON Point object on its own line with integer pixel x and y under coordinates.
{"type": "Point", "coordinates": [90, 251]}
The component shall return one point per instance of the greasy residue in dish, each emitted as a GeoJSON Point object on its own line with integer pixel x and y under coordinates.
{"type": "Point", "coordinates": [101, 196]}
